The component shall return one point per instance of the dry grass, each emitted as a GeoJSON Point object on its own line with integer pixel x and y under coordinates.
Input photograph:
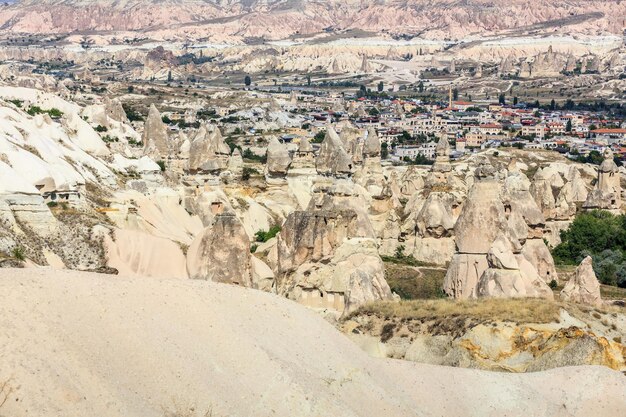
{"type": "Point", "coordinates": [517, 310]}
{"type": "Point", "coordinates": [526, 310]}
{"type": "Point", "coordinates": [412, 283]}
{"type": "Point", "coordinates": [610, 292]}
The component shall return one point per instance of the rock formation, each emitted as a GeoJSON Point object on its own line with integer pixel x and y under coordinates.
{"type": "Point", "coordinates": [221, 252]}
{"type": "Point", "coordinates": [304, 156]}
{"type": "Point", "coordinates": [208, 152]}
{"type": "Point", "coordinates": [155, 138]}
{"type": "Point", "coordinates": [583, 287]}
{"type": "Point", "coordinates": [278, 159]}
{"type": "Point", "coordinates": [608, 192]}
{"type": "Point", "coordinates": [489, 260]}
{"type": "Point", "coordinates": [235, 162]}
{"type": "Point", "coordinates": [323, 265]}
{"type": "Point", "coordinates": [332, 159]}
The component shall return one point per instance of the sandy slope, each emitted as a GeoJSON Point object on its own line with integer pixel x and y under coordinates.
{"type": "Point", "coordinates": [77, 344]}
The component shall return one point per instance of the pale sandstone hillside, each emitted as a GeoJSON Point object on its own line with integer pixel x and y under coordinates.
{"type": "Point", "coordinates": [283, 18]}
{"type": "Point", "coordinates": [78, 344]}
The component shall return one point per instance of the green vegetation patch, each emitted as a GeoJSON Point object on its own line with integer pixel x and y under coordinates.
{"type": "Point", "coordinates": [601, 235]}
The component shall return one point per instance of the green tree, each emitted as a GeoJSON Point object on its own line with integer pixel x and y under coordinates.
{"type": "Point", "coordinates": [380, 87]}
{"type": "Point", "coordinates": [591, 232]}
{"type": "Point", "coordinates": [319, 137]}
{"type": "Point", "coordinates": [384, 150]}
{"type": "Point", "coordinates": [420, 86]}
{"type": "Point", "coordinates": [362, 91]}
{"type": "Point", "coordinates": [568, 126]}
{"type": "Point", "coordinates": [501, 99]}
{"type": "Point", "coordinates": [247, 81]}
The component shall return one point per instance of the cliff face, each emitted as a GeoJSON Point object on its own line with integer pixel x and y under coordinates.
{"type": "Point", "coordinates": [281, 19]}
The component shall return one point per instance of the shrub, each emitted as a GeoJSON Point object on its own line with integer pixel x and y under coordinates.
{"type": "Point", "coordinates": [100, 128]}
{"type": "Point", "coordinates": [263, 236]}
{"type": "Point", "coordinates": [247, 173]}
{"type": "Point", "coordinates": [16, 102]}
{"type": "Point", "coordinates": [109, 139]}
{"type": "Point", "coordinates": [133, 142]}
{"type": "Point", "coordinates": [53, 112]}
{"type": "Point", "coordinates": [553, 284]}
{"type": "Point", "coordinates": [18, 253]}
{"type": "Point", "coordinates": [161, 165]}
{"type": "Point", "coordinates": [131, 114]}
{"type": "Point", "coordinates": [319, 137]}
{"type": "Point", "coordinates": [601, 235]}
{"type": "Point", "coordinates": [251, 156]}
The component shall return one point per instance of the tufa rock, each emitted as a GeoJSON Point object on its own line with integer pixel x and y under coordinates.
{"type": "Point", "coordinates": [221, 253]}
{"type": "Point", "coordinates": [583, 287]}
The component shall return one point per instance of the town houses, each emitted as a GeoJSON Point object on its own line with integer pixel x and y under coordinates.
{"type": "Point", "coordinates": [409, 127]}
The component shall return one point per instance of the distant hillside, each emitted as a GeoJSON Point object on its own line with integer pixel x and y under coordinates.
{"type": "Point", "coordinates": [281, 19]}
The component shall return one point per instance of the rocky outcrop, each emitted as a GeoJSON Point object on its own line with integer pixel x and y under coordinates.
{"type": "Point", "coordinates": [607, 193]}
{"type": "Point", "coordinates": [489, 260]}
{"type": "Point", "coordinates": [323, 265]}
{"type": "Point", "coordinates": [235, 163]}
{"type": "Point", "coordinates": [440, 171]}
{"type": "Point", "coordinates": [221, 253]}
{"type": "Point", "coordinates": [509, 274]}
{"type": "Point", "coordinates": [482, 217]}
{"type": "Point", "coordinates": [278, 159]}
{"type": "Point", "coordinates": [492, 344]}
{"type": "Point", "coordinates": [208, 152]}
{"type": "Point", "coordinates": [155, 138]}
{"type": "Point", "coordinates": [583, 287]}
{"type": "Point", "coordinates": [333, 159]}
{"type": "Point", "coordinates": [371, 146]}
{"type": "Point", "coordinates": [115, 111]}
{"type": "Point", "coordinates": [304, 157]}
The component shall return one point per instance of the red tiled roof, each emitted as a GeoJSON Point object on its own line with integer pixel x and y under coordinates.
{"type": "Point", "coordinates": [615, 131]}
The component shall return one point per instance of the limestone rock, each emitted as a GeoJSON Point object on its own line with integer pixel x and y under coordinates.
{"type": "Point", "coordinates": [115, 111]}
{"type": "Point", "coordinates": [304, 157]}
{"type": "Point", "coordinates": [500, 255]}
{"type": "Point", "coordinates": [583, 287]}
{"type": "Point", "coordinates": [262, 274]}
{"type": "Point", "coordinates": [323, 265]}
{"type": "Point", "coordinates": [435, 219]}
{"type": "Point", "coordinates": [309, 236]}
{"type": "Point", "coordinates": [351, 277]}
